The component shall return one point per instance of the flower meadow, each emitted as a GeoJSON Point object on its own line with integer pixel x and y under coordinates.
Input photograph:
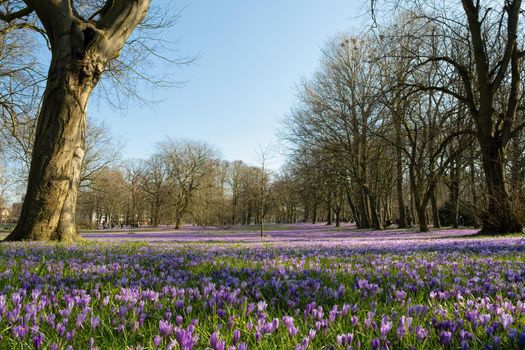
{"type": "Point", "coordinates": [288, 290]}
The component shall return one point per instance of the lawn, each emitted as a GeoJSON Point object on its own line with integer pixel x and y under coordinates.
{"type": "Point", "coordinates": [300, 287]}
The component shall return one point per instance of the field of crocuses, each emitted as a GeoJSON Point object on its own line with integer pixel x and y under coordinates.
{"type": "Point", "coordinates": [302, 287]}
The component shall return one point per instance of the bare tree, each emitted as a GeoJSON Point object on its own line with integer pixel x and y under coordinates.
{"type": "Point", "coordinates": [263, 153]}
{"type": "Point", "coordinates": [483, 46]}
{"type": "Point", "coordinates": [189, 164]}
{"type": "Point", "coordinates": [156, 184]}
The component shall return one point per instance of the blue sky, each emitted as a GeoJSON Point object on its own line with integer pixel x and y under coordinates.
{"type": "Point", "coordinates": [251, 56]}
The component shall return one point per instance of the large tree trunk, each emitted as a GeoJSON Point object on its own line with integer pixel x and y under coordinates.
{"type": "Point", "coordinates": [51, 176]}
{"type": "Point", "coordinates": [80, 51]}
{"type": "Point", "coordinates": [501, 216]}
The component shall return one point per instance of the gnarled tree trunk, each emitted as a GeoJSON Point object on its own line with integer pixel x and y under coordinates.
{"type": "Point", "coordinates": [56, 141]}
{"type": "Point", "coordinates": [80, 51]}
{"type": "Point", "coordinates": [67, 229]}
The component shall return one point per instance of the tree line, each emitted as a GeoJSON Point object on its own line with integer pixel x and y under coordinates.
{"type": "Point", "coordinates": [185, 181]}
{"type": "Point", "coordinates": [420, 120]}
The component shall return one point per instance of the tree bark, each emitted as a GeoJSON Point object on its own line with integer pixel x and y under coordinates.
{"type": "Point", "coordinates": [329, 213]}
{"type": "Point", "coordinates": [178, 222]}
{"type": "Point", "coordinates": [314, 213]}
{"type": "Point", "coordinates": [494, 129]}
{"type": "Point", "coordinates": [51, 175]}
{"type": "Point", "coordinates": [67, 230]}
{"type": "Point", "coordinates": [376, 221]}
{"type": "Point", "coordinates": [80, 51]}
{"type": "Point", "coordinates": [402, 219]}
{"type": "Point", "coordinates": [422, 218]}
{"type": "Point", "coordinates": [500, 217]}
{"type": "Point", "coordinates": [454, 191]}
{"type": "Point", "coordinates": [435, 209]}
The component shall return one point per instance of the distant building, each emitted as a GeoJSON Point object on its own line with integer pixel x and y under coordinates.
{"type": "Point", "coordinates": [4, 215]}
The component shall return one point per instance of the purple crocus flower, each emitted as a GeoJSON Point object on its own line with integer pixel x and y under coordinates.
{"type": "Point", "coordinates": [445, 337]}
{"type": "Point", "coordinates": [70, 335]}
{"type": "Point", "coordinates": [165, 329]}
{"type": "Point", "coordinates": [275, 324]}
{"type": "Point", "coordinates": [346, 310]}
{"type": "Point", "coordinates": [236, 336]}
{"type": "Point", "coordinates": [81, 318]}
{"type": "Point", "coordinates": [400, 295]}
{"type": "Point", "coordinates": [95, 322]}
{"type": "Point", "coordinates": [20, 331]}
{"type": "Point", "coordinates": [421, 333]}
{"type": "Point", "coordinates": [179, 304]}
{"type": "Point", "coordinates": [221, 345]}
{"type": "Point", "coordinates": [157, 340]}
{"type": "Point", "coordinates": [311, 334]}
{"type": "Point", "coordinates": [185, 339]}
{"type": "Point", "coordinates": [354, 319]}
{"type": "Point", "coordinates": [61, 329]}
{"type": "Point", "coordinates": [38, 340]}
{"type": "Point", "coordinates": [214, 338]}
{"type": "Point", "coordinates": [386, 326]}
{"type": "Point", "coordinates": [521, 341]}
{"type": "Point", "coordinates": [506, 320]}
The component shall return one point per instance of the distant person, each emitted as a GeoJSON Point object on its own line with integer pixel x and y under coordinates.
{"type": "Point", "coordinates": [461, 221]}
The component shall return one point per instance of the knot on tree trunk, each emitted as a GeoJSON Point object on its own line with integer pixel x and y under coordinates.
{"type": "Point", "coordinates": [92, 67]}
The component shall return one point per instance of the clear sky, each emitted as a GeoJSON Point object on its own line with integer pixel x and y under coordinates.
{"type": "Point", "coordinates": [251, 53]}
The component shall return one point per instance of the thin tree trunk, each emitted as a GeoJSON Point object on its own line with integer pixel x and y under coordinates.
{"type": "Point", "coordinates": [402, 219]}
{"type": "Point", "coordinates": [435, 209]}
{"type": "Point", "coordinates": [329, 213]}
{"type": "Point", "coordinates": [454, 193]}
{"type": "Point", "coordinates": [422, 218]}
{"type": "Point", "coordinates": [363, 210]}
{"type": "Point", "coordinates": [178, 220]}
{"type": "Point", "coordinates": [376, 222]}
